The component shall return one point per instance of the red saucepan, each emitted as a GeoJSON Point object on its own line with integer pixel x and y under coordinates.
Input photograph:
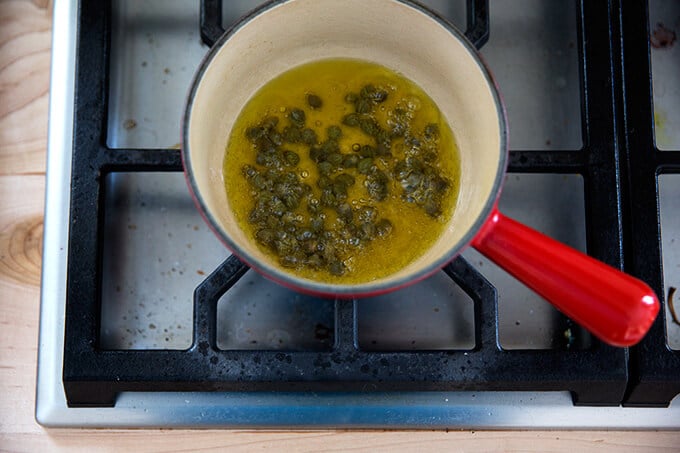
{"type": "Point", "coordinates": [408, 38]}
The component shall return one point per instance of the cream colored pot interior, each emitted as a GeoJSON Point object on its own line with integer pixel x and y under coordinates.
{"type": "Point", "coordinates": [387, 32]}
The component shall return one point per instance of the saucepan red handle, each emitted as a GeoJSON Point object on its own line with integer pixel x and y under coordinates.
{"type": "Point", "coordinates": [614, 306]}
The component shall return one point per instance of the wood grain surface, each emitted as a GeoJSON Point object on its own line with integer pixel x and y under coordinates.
{"type": "Point", "coordinates": [24, 86]}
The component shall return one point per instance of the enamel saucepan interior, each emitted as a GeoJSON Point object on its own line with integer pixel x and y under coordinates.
{"type": "Point", "coordinates": [423, 47]}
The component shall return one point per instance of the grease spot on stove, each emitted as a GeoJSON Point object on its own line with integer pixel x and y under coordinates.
{"type": "Point", "coordinates": [662, 37]}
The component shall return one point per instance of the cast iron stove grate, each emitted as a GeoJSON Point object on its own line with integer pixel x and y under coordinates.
{"type": "Point", "coordinates": [619, 155]}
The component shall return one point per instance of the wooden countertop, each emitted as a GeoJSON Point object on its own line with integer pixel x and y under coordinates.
{"type": "Point", "coordinates": [24, 90]}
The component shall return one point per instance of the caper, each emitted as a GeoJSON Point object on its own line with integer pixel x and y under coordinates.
{"type": "Point", "coordinates": [255, 132]}
{"type": "Point", "coordinates": [330, 146]}
{"type": "Point", "coordinates": [305, 235]}
{"type": "Point", "coordinates": [336, 268]}
{"type": "Point", "coordinates": [383, 227]}
{"type": "Point", "coordinates": [264, 144]}
{"type": "Point", "coordinates": [265, 236]}
{"type": "Point", "coordinates": [277, 207]}
{"type": "Point", "coordinates": [314, 101]}
{"type": "Point", "coordinates": [362, 106]}
{"type": "Point", "coordinates": [334, 132]}
{"type": "Point", "coordinates": [314, 261]}
{"type": "Point", "coordinates": [369, 126]}
{"type": "Point", "coordinates": [412, 181]}
{"type": "Point", "coordinates": [429, 156]}
{"type": "Point", "coordinates": [379, 96]}
{"type": "Point", "coordinates": [335, 159]}
{"type": "Point", "coordinates": [315, 154]}
{"type": "Point", "coordinates": [289, 261]}
{"type": "Point", "coordinates": [373, 94]}
{"type": "Point", "coordinates": [249, 171]}
{"type": "Point", "coordinates": [290, 200]}
{"type": "Point", "coordinates": [376, 185]}
{"type": "Point", "coordinates": [309, 136]}
{"type": "Point", "coordinates": [350, 161]}
{"type": "Point", "coordinates": [275, 138]}
{"type": "Point", "coordinates": [441, 184]}
{"type": "Point", "coordinates": [432, 208]}
{"type": "Point", "coordinates": [413, 142]}
{"type": "Point", "coordinates": [273, 222]}
{"type": "Point", "coordinates": [324, 182]}
{"type": "Point", "coordinates": [383, 138]}
{"type": "Point", "coordinates": [351, 119]}
{"type": "Point", "coordinates": [345, 212]}
{"type": "Point", "coordinates": [431, 131]}
{"type": "Point", "coordinates": [297, 116]}
{"type": "Point", "coordinates": [367, 91]}
{"type": "Point", "coordinates": [256, 215]}
{"type": "Point", "coordinates": [367, 151]}
{"type": "Point", "coordinates": [325, 168]}
{"type": "Point", "coordinates": [313, 205]}
{"type": "Point", "coordinates": [339, 190]}
{"type": "Point", "coordinates": [383, 150]}
{"type": "Point", "coordinates": [270, 122]}
{"type": "Point", "coordinates": [367, 230]}
{"type": "Point", "coordinates": [327, 198]}
{"type": "Point", "coordinates": [316, 224]}
{"type": "Point", "coordinates": [288, 219]}
{"type": "Point", "coordinates": [266, 159]}
{"type": "Point", "coordinates": [292, 134]}
{"type": "Point", "coordinates": [367, 214]}
{"type": "Point", "coordinates": [365, 165]}
{"type": "Point", "coordinates": [291, 158]}
{"type": "Point", "coordinates": [346, 179]}
{"type": "Point", "coordinates": [354, 241]}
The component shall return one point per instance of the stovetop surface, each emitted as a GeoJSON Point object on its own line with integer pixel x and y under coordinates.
{"type": "Point", "coordinates": [157, 249]}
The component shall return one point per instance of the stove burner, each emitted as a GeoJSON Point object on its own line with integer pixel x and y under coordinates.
{"type": "Point", "coordinates": [619, 163]}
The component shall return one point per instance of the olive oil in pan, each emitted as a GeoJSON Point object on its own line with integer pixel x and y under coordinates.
{"type": "Point", "coordinates": [342, 171]}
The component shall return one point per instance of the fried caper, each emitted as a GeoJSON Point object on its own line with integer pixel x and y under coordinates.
{"type": "Point", "coordinates": [334, 132]}
{"type": "Point", "coordinates": [362, 106]}
{"type": "Point", "coordinates": [325, 168]}
{"type": "Point", "coordinates": [336, 268]}
{"type": "Point", "coordinates": [365, 165]}
{"type": "Point", "coordinates": [383, 227]}
{"type": "Point", "coordinates": [345, 212]}
{"type": "Point", "coordinates": [367, 151]}
{"type": "Point", "coordinates": [367, 214]}
{"type": "Point", "coordinates": [350, 161]}
{"type": "Point", "coordinates": [351, 119]}
{"type": "Point", "coordinates": [314, 101]}
{"type": "Point", "coordinates": [292, 134]}
{"type": "Point", "coordinates": [291, 158]}
{"type": "Point", "coordinates": [346, 179]}
{"type": "Point", "coordinates": [297, 116]}
{"type": "Point", "coordinates": [431, 131]}
{"type": "Point", "coordinates": [309, 136]}
{"type": "Point", "coordinates": [335, 159]}
{"type": "Point", "coordinates": [376, 185]}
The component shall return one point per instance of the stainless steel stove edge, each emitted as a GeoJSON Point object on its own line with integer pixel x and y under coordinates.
{"type": "Point", "coordinates": [427, 410]}
{"type": "Point", "coordinates": [49, 391]}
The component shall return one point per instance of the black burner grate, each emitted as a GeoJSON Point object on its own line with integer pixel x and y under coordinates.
{"type": "Point", "coordinates": [618, 155]}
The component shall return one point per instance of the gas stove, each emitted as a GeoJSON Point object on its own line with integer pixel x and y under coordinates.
{"type": "Point", "coordinates": [147, 320]}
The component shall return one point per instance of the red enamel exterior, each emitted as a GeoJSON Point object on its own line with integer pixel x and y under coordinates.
{"type": "Point", "coordinates": [613, 306]}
